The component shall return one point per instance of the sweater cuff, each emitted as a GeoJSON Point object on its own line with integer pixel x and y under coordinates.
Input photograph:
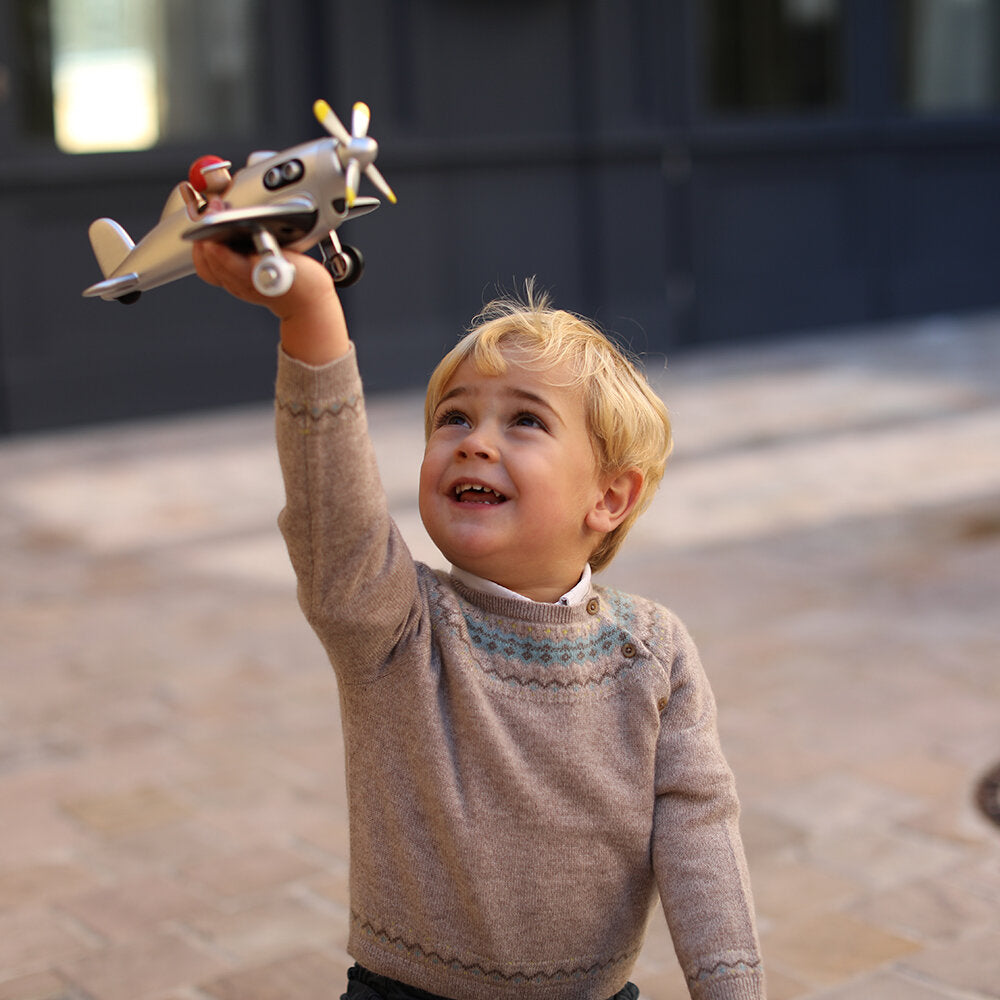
{"type": "Point", "coordinates": [730, 987]}
{"type": "Point", "coordinates": [316, 387]}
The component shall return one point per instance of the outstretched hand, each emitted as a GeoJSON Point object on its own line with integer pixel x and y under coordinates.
{"type": "Point", "coordinates": [313, 328]}
{"type": "Point", "coordinates": [217, 265]}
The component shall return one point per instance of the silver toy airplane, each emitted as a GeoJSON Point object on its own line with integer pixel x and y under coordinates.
{"type": "Point", "coordinates": [296, 198]}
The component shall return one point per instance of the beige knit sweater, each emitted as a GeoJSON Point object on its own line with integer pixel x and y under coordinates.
{"type": "Point", "coordinates": [523, 779]}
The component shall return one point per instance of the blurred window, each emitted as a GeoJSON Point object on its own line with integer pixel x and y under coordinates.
{"type": "Point", "coordinates": [773, 55]}
{"type": "Point", "coordinates": [108, 75]}
{"type": "Point", "coordinates": [951, 55]}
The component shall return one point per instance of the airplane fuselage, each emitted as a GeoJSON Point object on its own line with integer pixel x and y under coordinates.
{"type": "Point", "coordinates": [308, 174]}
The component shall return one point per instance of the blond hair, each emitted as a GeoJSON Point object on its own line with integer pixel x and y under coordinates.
{"type": "Point", "coordinates": [628, 423]}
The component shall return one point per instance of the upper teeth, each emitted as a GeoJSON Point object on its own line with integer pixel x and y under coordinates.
{"type": "Point", "coordinates": [464, 487]}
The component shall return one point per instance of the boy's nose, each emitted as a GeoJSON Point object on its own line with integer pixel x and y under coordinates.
{"type": "Point", "coordinates": [476, 444]}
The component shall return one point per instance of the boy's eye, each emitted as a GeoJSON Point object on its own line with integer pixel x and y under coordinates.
{"type": "Point", "coordinates": [528, 420]}
{"type": "Point", "coordinates": [451, 417]}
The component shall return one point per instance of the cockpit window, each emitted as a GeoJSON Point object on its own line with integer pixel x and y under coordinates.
{"type": "Point", "coordinates": [283, 174]}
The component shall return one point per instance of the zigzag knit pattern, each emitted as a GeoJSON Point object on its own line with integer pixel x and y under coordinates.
{"type": "Point", "coordinates": [543, 644]}
{"type": "Point", "coordinates": [724, 969]}
{"type": "Point", "coordinates": [492, 974]}
{"type": "Point", "coordinates": [316, 413]}
{"type": "Point", "coordinates": [594, 655]}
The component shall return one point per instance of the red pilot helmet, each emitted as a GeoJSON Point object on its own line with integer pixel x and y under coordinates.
{"type": "Point", "coordinates": [203, 165]}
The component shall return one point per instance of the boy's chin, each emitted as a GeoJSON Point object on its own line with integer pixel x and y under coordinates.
{"type": "Point", "coordinates": [471, 551]}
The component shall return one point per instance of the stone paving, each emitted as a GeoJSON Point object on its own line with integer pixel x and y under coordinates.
{"type": "Point", "coordinates": [172, 821]}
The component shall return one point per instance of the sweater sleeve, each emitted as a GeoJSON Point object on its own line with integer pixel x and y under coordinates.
{"type": "Point", "coordinates": [356, 579]}
{"type": "Point", "coordinates": [698, 855]}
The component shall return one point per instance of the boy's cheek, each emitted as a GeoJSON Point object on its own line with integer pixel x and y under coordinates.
{"type": "Point", "coordinates": [427, 493]}
{"type": "Point", "coordinates": [423, 483]}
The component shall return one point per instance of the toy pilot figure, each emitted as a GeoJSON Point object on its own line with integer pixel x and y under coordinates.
{"type": "Point", "coordinates": [208, 179]}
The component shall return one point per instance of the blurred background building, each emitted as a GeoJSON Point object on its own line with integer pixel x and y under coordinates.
{"type": "Point", "coordinates": [688, 171]}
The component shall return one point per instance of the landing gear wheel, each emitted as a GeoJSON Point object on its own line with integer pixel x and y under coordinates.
{"type": "Point", "coordinates": [346, 266]}
{"type": "Point", "coordinates": [273, 275]}
{"type": "Point", "coordinates": [128, 298]}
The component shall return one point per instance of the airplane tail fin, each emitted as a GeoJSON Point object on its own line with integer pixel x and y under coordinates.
{"type": "Point", "coordinates": [111, 244]}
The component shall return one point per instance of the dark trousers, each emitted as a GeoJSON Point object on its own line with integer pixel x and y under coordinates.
{"type": "Point", "coordinates": [365, 985]}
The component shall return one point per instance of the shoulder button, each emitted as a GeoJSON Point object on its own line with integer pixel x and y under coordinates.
{"type": "Point", "coordinates": [593, 606]}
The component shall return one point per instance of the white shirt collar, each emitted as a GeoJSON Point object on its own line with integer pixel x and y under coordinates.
{"type": "Point", "coordinates": [576, 595]}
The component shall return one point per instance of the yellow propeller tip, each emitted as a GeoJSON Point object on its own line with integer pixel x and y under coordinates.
{"type": "Point", "coordinates": [392, 198]}
{"type": "Point", "coordinates": [361, 106]}
{"type": "Point", "coordinates": [350, 196]}
{"type": "Point", "coordinates": [321, 109]}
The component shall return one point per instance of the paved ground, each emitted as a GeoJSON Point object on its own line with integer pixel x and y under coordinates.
{"type": "Point", "coordinates": [171, 809]}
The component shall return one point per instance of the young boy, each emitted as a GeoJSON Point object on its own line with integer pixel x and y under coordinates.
{"type": "Point", "coordinates": [531, 759]}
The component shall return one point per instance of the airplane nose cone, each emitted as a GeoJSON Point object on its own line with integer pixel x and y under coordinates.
{"type": "Point", "coordinates": [361, 149]}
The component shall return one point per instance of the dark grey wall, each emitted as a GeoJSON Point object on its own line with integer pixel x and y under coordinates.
{"type": "Point", "coordinates": [564, 139]}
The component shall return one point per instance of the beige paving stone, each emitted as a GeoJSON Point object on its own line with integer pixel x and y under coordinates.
{"type": "Point", "coordinates": [39, 986]}
{"type": "Point", "coordinates": [36, 828]}
{"type": "Point", "coordinates": [269, 929]}
{"type": "Point", "coordinates": [36, 883]}
{"type": "Point", "coordinates": [660, 987]}
{"type": "Point", "coordinates": [143, 808]}
{"type": "Point", "coordinates": [30, 938]}
{"type": "Point", "coordinates": [128, 909]}
{"type": "Point", "coordinates": [657, 972]}
{"type": "Point", "coordinates": [978, 875]}
{"type": "Point", "coordinates": [836, 801]}
{"type": "Point", "coordinates": [320, 755]}
{"type": "Point", "coordinates": [765, 769]}
{"type": "Point", "coordinates": [829, 948]}
{"type": "Point", "coordinates": [163, 849]}
{"type": "Point", "coordinates": [237, 785]}
{"type": "Point", "coordinates": [278, 810]}
{"type": "Point", "coordinates": [333, 886]}
{"type": "Point", "coordinates": [888, 986]}
{"type": "Point", "coordinates": [970, 964]}
{"type": "Point", "coordinates": [781, 986]}
{"type": "Point", "coordinates": [248, 871]}
{"type": "Point", "coordinates": [306, 975]}
{"type": "Point", "coordinates": [931, 911]}
{"type": "Point", "coordinates": [953, 817]}
{"type": "Point", "coordinates": [884, 858]}
{"type": "Point", "coordinates": [139, 969]}
{"type": "Point", "coordinates": [916, 773]}
{"type": "Point", "coordinates": [784, 888]}
{"type": "Point", "coordinates": [765, 835]}
{"type": "Point", "coordinates": [330, 835]}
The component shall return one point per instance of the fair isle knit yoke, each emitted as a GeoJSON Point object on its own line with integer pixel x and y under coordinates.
{"type": "Point", "coordinates": [524, 780]}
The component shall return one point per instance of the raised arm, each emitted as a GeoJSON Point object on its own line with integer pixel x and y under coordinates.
{"type": "Point", "coordinates": [313, 328]}
{"type": "Point", "coordinates": [356, 578]}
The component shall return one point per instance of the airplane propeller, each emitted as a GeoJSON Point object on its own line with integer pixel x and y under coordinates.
{"type": "Point", "coordinates": [357, 150]}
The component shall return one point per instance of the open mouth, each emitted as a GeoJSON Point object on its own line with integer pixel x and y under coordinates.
{"type": "Point", "coordinates": [475, 493]}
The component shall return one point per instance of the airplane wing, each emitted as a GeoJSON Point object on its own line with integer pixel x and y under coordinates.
{"type": "Point", "coordinates": [362, 206]}
{"type": "Point", "coordinates": [287, 221]}
{"type": "Point", "coordinates": [113, 288]}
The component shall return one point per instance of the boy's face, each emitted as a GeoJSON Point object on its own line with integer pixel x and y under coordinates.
{"type": "Point", "coordinates": [509, 482]}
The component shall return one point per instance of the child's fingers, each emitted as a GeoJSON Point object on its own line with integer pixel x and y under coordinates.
{"type": "Point", "coordinates": [217, 265]}
{"type": "Point", "coordinates": [201, 265]}
{"type": "Point", "coordinates": [206, 263]}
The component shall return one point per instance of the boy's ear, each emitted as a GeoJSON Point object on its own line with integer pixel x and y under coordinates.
{"type": "Point", "coordinates": [620, 496]}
